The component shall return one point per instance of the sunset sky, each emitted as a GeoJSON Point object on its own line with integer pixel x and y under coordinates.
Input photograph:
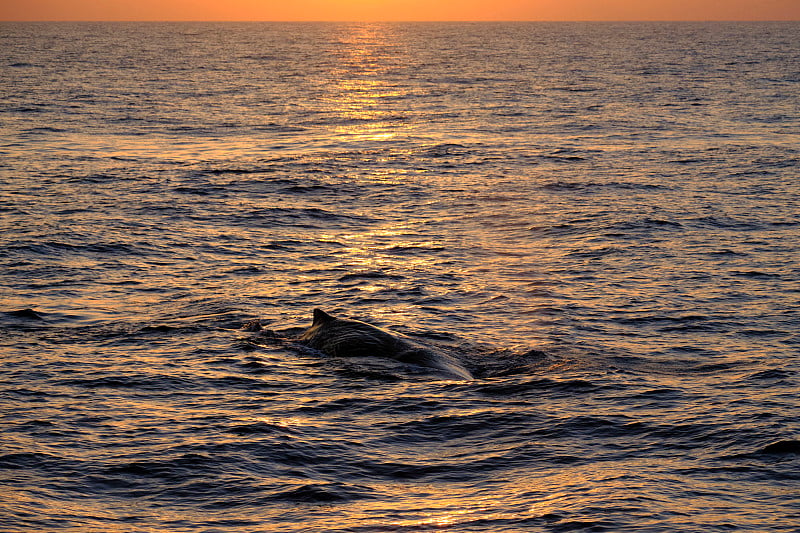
{"type": "Point", "coordinates": [411, 10]}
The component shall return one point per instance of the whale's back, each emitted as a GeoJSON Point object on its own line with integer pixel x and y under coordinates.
{"type": "Point", "coordinates": [352, 338]}
{"type": "Point", "coordinates": [349, 338]}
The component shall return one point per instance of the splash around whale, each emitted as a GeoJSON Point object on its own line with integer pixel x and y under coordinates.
{"type": "Point", "coordinates": [340, 337]}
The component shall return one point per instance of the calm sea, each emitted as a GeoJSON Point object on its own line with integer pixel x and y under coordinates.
{"type": "Point", "coordinates": [601, 220]}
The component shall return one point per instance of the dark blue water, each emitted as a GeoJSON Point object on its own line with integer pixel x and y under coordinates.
{"type": "Point", "coordinates": [600, 220]}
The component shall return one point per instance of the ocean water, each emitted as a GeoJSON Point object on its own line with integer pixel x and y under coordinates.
{"type": "Point", "coordinates": [600, 220]}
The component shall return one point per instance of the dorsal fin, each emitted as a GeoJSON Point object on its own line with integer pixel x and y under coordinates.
{"type": "Point", "coordinates": [320, 317]}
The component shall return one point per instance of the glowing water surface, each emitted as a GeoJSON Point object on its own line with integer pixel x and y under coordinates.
{"type": "Point", "coordinates": [622, 197]}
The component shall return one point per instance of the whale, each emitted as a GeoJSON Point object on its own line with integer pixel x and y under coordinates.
{"type": "Point", "coordinates": [340, 337]}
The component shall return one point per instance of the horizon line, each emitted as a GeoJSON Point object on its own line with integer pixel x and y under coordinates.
{"type": "Point", "coordinates": [455, 21]}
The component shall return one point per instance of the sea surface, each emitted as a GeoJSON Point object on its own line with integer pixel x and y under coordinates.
{"type": "Point", "coordinates": [601, 220]}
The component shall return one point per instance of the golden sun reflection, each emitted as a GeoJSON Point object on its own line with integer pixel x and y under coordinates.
{"type": "Point", "coordinates": [363, 90]}
{"type": "Point", "coordinates": [376, 249]}
{"type": "Point", "coordinates": [445, 520]}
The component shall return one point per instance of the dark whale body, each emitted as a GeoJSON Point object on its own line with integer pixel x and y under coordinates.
{"type": "Point", "coordinates": [339, 337]}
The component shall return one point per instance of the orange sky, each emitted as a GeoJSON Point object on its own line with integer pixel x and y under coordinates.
{"type": "Point", "coordinates": [399, 9]}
